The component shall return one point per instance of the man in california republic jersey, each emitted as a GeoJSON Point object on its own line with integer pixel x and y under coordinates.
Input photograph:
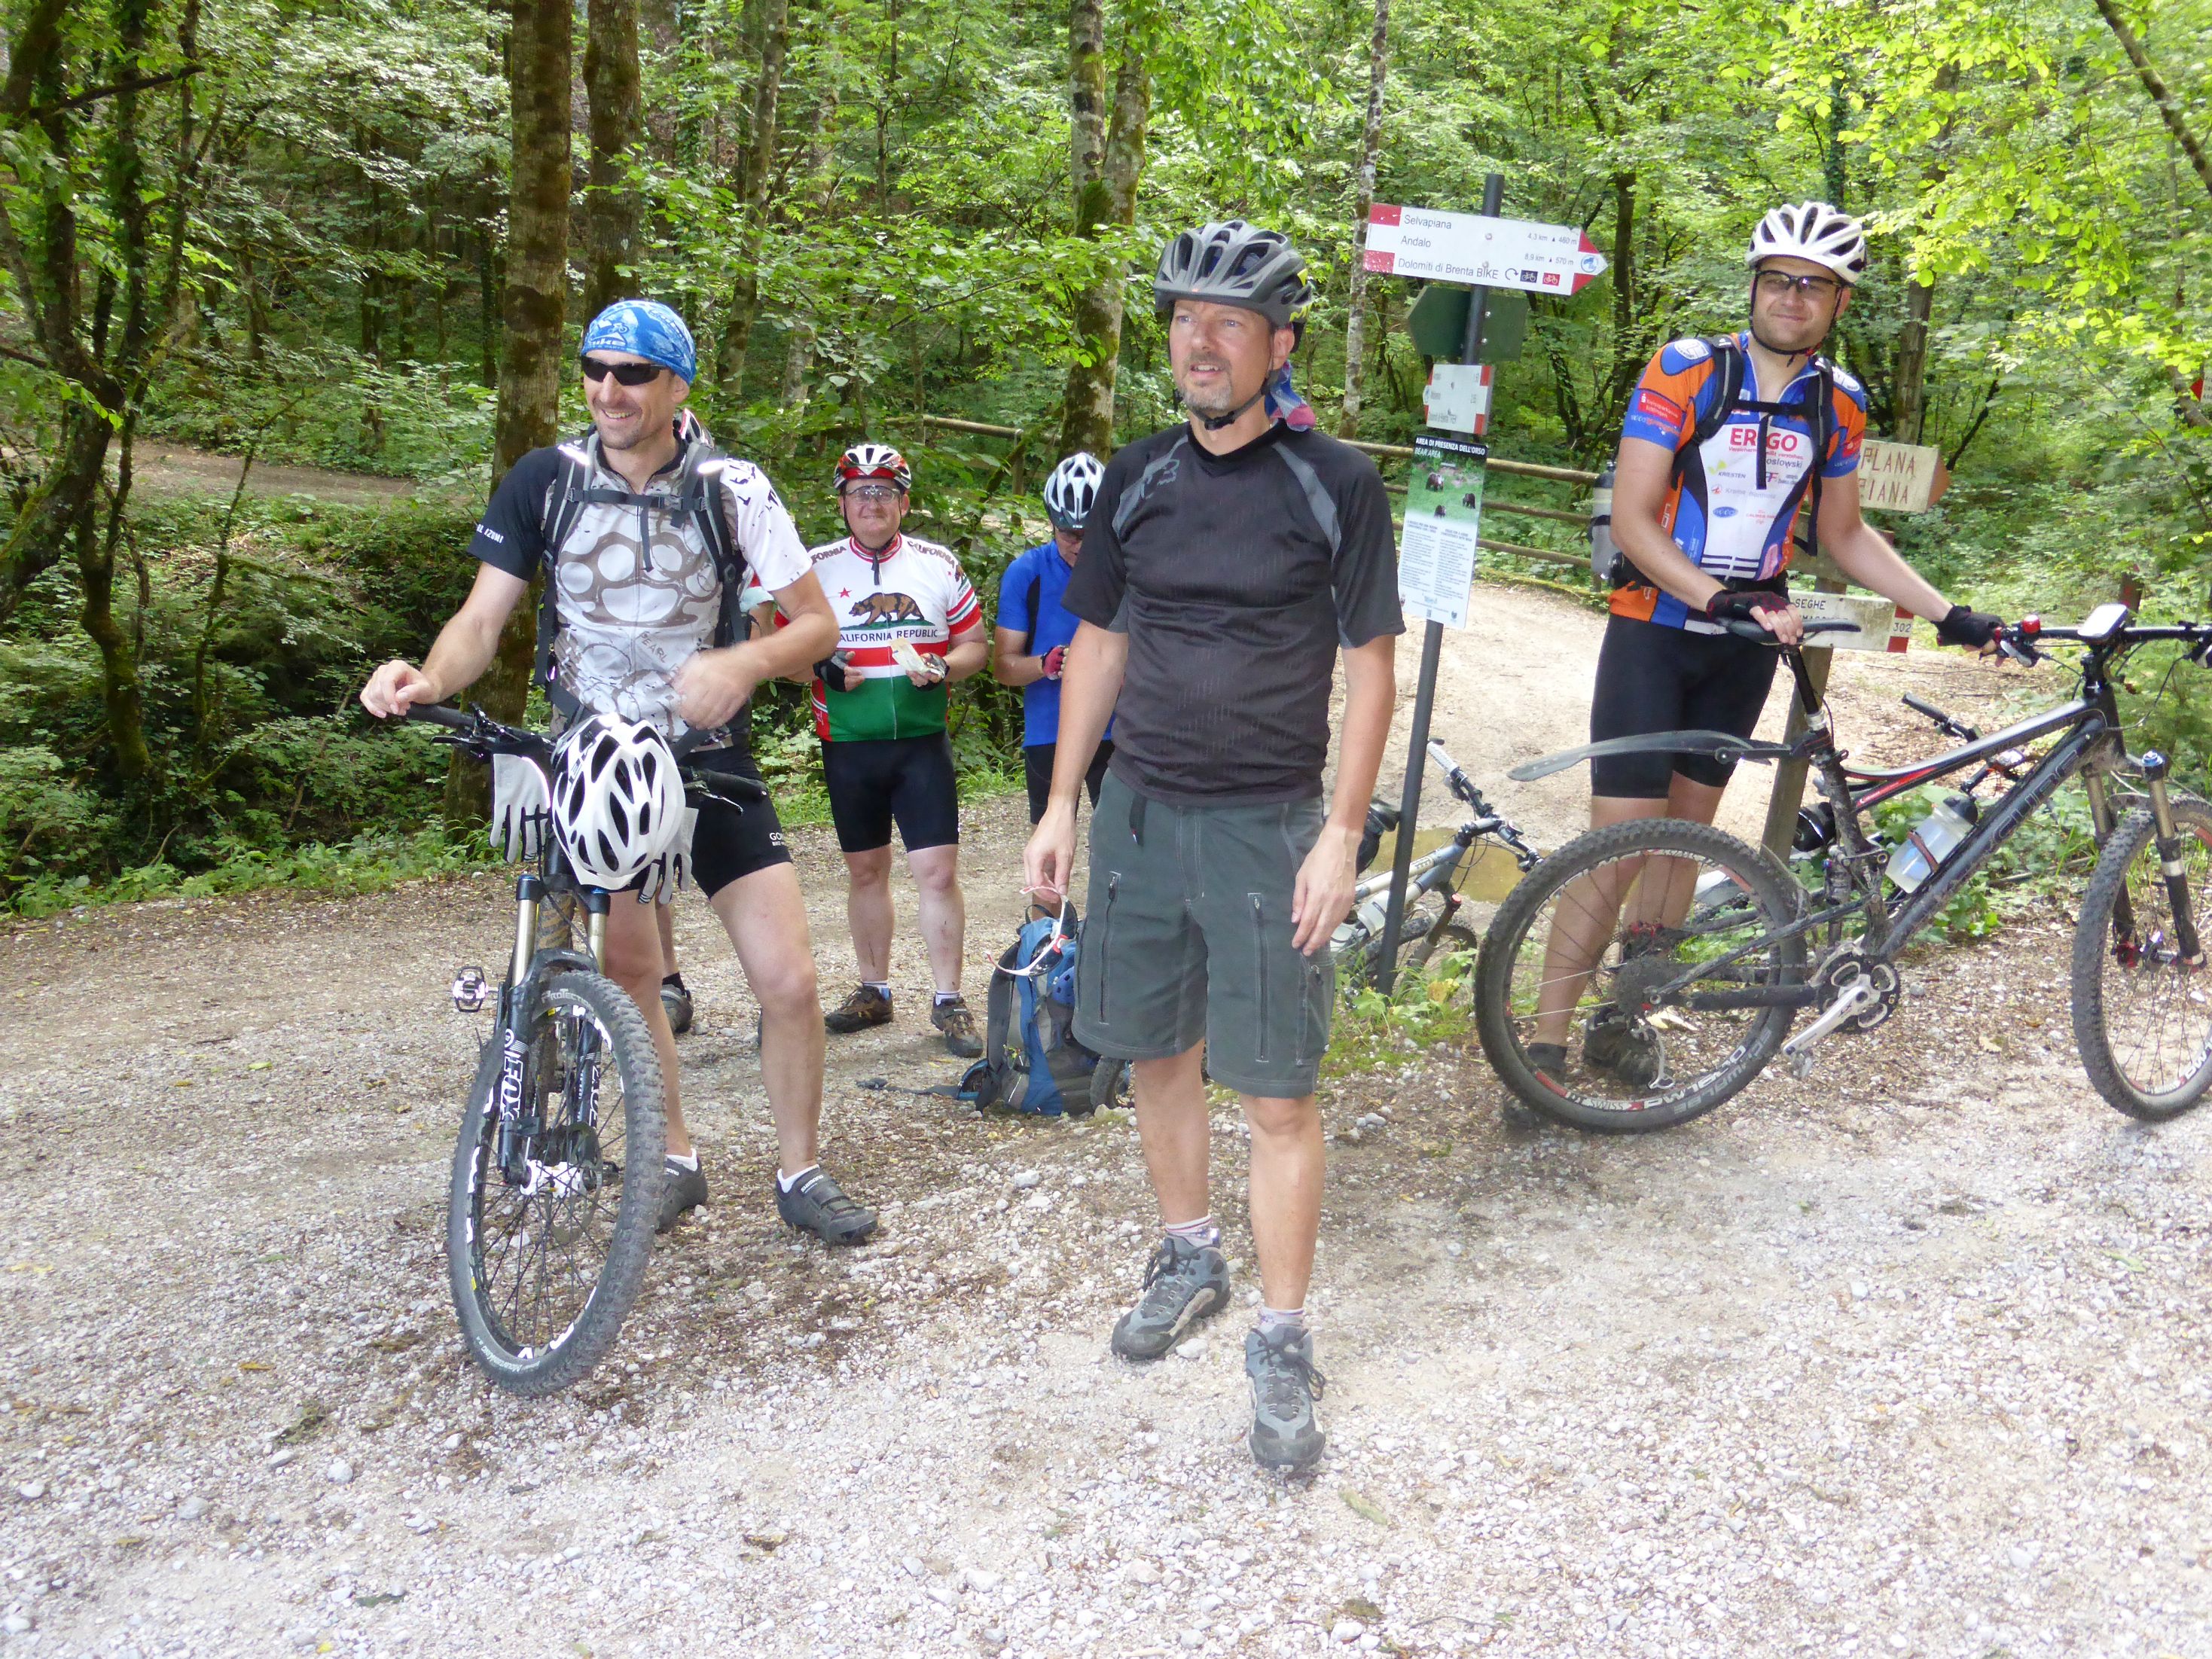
{"type": "Point", "coordinates": [909, 626]}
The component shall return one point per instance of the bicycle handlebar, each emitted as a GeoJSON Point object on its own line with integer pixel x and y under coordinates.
{"type": "Point", "coordinates": [485, 737]}
{"type": "Point", "coordinates": [1758, 635]}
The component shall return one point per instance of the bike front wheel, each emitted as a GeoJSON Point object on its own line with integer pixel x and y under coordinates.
{"type": "Point", "coordinates": [556, 1184]}
{"type": "Point", "coordinates": [2143, 1014]}
{"type": "Point", "coordinates": [1630, 982]}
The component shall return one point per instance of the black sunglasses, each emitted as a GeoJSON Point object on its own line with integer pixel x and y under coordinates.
{"type": "Point", "coordinates": [625, 373]}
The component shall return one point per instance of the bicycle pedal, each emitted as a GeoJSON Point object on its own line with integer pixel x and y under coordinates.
{"type": "Point", "coordinates": [471, 991]}
{"type": "Point", "coordinates": [1801, 1066]}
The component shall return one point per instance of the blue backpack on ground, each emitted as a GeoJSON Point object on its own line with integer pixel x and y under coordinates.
{"type": "Point", "coordinates": [1031, 1061]}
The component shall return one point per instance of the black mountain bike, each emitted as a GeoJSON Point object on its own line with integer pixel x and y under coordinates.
{"type": "Point", "coordinates": [1677, 956]}
{"type": "Point", "coordinates": [557, 1173]}
{"type": "Point", "coordinates": [1434, 896]}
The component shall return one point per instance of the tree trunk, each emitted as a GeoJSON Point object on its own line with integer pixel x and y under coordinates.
{"type": "Point", "coordinates": [533, 308]}
{"type": "Point", "coordinates": [535, 303]}
{"type": "Point", "coordinates": [612, 207]}
{"type": "Point", "coordinates": [756, 172]}
{"type": "Point", "coordinates": [1908, 391]}
{"type": "Point", "coordinates": [1107, 198]}
{"type": "Point", "coordinates": [798, 353]}
{"type": "Point", "coordinates": [658, 24]}
{"type": "Point", "coordinates": [1370, 146]}
{"type": "Point", "coordinates": [1628, 356]}
{"type": "Point", "coordinates": [2169, 111]}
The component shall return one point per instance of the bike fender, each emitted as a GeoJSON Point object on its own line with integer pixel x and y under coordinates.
{"type": "Point", "coordinates": [1725, 744]}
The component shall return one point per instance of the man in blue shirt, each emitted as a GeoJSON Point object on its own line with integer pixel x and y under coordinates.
{"type": "Point", "coordinates": [1033, 628]}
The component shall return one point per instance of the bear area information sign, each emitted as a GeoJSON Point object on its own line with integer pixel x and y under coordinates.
{"type": "Point", "coordinates": [1444, 519]}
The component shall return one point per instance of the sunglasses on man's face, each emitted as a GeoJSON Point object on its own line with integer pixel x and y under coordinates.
{"type": "Point", "coordinates": [1775, 283]}
{"type": "Point", "coordinates": [625, 373]}
{"type": "Point", "coordinates": [873, 493]}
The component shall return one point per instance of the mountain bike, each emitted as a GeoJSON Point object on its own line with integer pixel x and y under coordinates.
{"type": "Point", "coordinates": [1681, 955]}
{"type": "Point", "coordinates": [1434, 895]}
{"type": "Point", "coordinates": [557, 1171]}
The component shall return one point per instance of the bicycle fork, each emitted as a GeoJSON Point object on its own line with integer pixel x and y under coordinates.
{"type": "Point", "coordinates": [2190, 948]}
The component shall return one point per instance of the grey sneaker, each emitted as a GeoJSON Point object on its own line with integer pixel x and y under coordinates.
{"type": "Point", "coordinates": [682, 1189]}
{"type": "Point", "coordinates": [1628, 1050]}
{"type": "Point", "coordinates": [1183, 1283]}
{"type": "Point", "coordinates": [676, 999]}
{"type": "Point", "coordinates": [817, 1205]}
{"type": "Point", "coordinates": [1285, 1386]}
{"type": "Point", "coordinates": [866, 1006]}
{"type": "Point", "coordinates": [958, 1025]}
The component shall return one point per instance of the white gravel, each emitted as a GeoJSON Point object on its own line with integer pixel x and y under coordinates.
{"type": "Point", "coordinates": [1910, 1359]}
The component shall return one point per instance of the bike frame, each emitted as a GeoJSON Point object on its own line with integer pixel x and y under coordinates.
{"type": "Point", "coordinates": [2093, 745]}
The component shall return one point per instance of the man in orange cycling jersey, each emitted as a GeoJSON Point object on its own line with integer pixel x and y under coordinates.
{"type": "Point", "coordinates": [1708, 492]}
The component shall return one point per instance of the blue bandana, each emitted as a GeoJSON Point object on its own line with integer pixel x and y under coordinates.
{"type": "Point", "coordinates": [647, 329]}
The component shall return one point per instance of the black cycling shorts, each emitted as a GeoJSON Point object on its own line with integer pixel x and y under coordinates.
{"type": "Point", "coordinates": [909, 780]}
{"type": "Point", "coordinates": [728, 843]}
{"type": "Point", "coordinates": [1654, 678]}
{"type": "Point", "coordinates": [1036, 772]}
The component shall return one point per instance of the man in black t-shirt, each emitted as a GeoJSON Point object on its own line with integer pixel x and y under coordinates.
{"type": "Point", "coordinates": [1227, 561]}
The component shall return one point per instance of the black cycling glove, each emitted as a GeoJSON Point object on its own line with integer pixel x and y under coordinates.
{"type": "Point", "coordinates": [1747, 606]}
{"type": "Point", "coordinates": [836, 675]}
{"type": "Point", "coordinates": [1960, 626]}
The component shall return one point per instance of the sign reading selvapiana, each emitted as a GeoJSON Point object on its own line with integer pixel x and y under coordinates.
{"type": "Point", "coordinates": [1473, 248]}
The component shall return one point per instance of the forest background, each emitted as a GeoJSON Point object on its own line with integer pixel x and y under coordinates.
{"type": "Point", "coordinates": [366, 236]}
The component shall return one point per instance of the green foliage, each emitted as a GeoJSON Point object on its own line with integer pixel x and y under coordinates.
{"type": "Point", "coordinates": [1434, 1006]}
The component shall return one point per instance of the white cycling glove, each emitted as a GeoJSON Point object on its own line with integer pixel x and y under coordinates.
{"type": "Point", "coordinates": [667, 875]}
{"type": "Point", "coordinates": [520, 807]}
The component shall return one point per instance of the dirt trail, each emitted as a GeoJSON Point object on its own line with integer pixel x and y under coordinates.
{"type": "Point", "coordinates": [164, 469]}
{"type": "Point", "coordinates": [1907, 1359]}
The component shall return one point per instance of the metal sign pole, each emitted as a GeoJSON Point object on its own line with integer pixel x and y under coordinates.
{"type": "Point", "coordinates": [1432, 643]}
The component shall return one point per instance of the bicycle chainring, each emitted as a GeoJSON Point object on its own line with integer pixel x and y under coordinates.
{"type": "Point", "coordinates": [1848, 966]}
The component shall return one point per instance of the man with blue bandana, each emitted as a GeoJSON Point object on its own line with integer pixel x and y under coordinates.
{"type": "Point", "coordinates": [645, 536]}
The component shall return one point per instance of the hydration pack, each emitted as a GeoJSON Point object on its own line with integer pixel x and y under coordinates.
{"type": "Point", "coordinates": [1031, 1061]}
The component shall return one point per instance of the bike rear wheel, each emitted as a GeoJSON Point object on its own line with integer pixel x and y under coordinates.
{"type": "Point", "coordinates": [551, 1209]}
{"type": "Point", "coordinates": [2142, 1017]}
{"type": "Point", "coordinates": [1580, 955]}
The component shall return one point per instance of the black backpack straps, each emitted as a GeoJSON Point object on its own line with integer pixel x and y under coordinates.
{"type": "Point", "coordinates": [1822, 428]}
{"type": "Point", "coordinates": [703, 490]}
{"type": "Point", "coordinates": [1036, 598]}
{"type": "Point", "coordinates": [564, 506]}
{"type": "Point", "coordinates": [1729, 370]}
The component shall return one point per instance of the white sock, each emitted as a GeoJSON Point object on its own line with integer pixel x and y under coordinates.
{"type": "Point", "coordinates": [689, 1161]}
{"type": "Point", "coordinates": [786, 1182]}
{"type": "Point", "coordinates": [1274, 1319]}
{"type": "Point", "coordinates": [944, 997]}
{"type": "Point", "coordinates": [882, 985]}
{"type": "Point", "coordinates": [1202, 1232]}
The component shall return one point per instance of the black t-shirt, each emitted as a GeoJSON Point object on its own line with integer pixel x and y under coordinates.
{"type": "Point", "coordinates": [511, 535]}
{"type": "Point", "coordinates": [1236, 577]}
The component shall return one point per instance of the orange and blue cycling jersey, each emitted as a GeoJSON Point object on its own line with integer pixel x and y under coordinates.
{"type": "Point", "coordinates": [1732, 509]}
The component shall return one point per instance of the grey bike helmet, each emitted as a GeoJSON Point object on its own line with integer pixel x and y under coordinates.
{"type": "Point", "coordinates": [1233, 263]}
{"type": "Point", "coordinates": [1812, 230]}
{"type": "Point", "coordinates": [1073, 490]}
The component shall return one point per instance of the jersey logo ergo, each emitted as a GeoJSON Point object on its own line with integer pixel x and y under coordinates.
{"type": "Point", "coordinates": [1779, 440]}
{"type": "Point", "coordinates": [888, 608]}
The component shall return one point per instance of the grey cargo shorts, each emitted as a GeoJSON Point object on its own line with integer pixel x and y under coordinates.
{"type": "Point", "coordinates": [1187, 935]}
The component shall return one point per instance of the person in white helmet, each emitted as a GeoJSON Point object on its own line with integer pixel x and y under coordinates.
{"type": "Point", "coordinates": [1727, 444]}
{"type": "Point", "coordinates": [1034, 628]}
{"type": "Point", "coordinates": [646, 536]}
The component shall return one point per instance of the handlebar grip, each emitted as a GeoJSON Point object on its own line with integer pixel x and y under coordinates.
{"type": "Point", "coordinates": [1758, 635]}
{"type": "Point", "coordinates": [438, 714]}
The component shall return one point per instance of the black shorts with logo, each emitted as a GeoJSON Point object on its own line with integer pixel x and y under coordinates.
{"type": "Point", "coordinates": [729, 843]}
{"type": "Point", "coordinates": [876, 781]}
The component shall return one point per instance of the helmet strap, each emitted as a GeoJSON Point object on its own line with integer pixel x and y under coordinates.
{"type": "Point", "coordinates": [1215, 423]}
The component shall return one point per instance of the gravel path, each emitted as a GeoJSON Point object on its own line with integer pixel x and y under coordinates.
{"type": "Point", "coordinates": [1906, 1359]}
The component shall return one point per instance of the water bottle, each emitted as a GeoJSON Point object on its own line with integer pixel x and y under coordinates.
{"type": "Point", "coordinates": [1930, 842]}
{"type": "Point", "coordinates": [1605, 558]}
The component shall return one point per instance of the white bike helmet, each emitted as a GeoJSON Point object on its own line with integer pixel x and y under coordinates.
{"type": "Point", "coordinates": [617, 802]}
{"type": "Point", "coordinates": [867, 460]}
{"type": "Point", "coordinates": [1072, 490]}
{"type": "Point", "coordinates": [1812, 230]}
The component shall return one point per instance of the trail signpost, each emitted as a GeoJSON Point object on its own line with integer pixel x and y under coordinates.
{"type": "Point", "coordinates": [1443, 496]}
